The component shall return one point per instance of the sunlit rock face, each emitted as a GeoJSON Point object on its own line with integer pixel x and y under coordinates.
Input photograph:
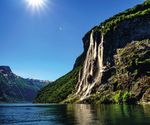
{"type": "Point", "coordinates": [93, 67]}
{"type": "Point", "coordinates": [99, 49]}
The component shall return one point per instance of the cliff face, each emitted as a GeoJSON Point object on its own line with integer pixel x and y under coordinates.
{"type": "Point", "coordinates": [100, 49]}
{"type": "Point", "coordinates": [93, 67]}
{"type": "Point", "coordinates": [130, 80]}
{"type": "Point", "coordinates": [16, 89]}
{"type": "Point", "coordinates": [105, 76]}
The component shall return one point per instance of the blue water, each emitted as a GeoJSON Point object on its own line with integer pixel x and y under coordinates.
{"type": "Point", "coordinates": [79, 114]}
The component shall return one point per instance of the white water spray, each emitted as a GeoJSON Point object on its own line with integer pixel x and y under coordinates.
{"type": "Point", "coordinates": [93, 68]}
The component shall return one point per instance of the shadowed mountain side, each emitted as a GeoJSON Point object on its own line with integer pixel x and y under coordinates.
{"type": "Point", "coordinates": [14, 88]}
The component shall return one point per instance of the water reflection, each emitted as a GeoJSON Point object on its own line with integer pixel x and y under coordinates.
{"type": "Point", "coordinates": [83, 114]}
{"type": "Point", "coordinates": [111, 114]}
{"type": "Point", "coordinates": [78, 114]}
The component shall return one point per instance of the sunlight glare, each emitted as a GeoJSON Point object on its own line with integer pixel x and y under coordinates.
{"type": "Point", "coordinates": [36, 4]}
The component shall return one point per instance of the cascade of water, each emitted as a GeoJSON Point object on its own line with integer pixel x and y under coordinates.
{"type": "Point", "coordinates": [82, 79]}
{"type": "Point", "coordinates": [87, 77]}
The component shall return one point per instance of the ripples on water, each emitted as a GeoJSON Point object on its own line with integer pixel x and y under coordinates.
{"type": "Point", "coordinates": [79, 114]}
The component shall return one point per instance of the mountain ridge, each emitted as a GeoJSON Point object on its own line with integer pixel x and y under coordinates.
{"type": "Point", "coordinates": [14, 88]}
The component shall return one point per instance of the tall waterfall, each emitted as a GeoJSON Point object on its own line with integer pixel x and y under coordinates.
{"type": "Point", "coordinates": [91, 73]}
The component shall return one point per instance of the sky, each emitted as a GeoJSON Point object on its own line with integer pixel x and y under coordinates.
{"type": "Point", "coordinates": [43, 44]}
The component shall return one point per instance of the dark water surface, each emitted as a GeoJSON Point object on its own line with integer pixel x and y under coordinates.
{"type": "Point", "coordinates": [79, 114]}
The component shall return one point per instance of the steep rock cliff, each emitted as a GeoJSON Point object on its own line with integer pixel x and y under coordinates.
{"type": "Point", "coordinates": [130, 81]}
{"type": "Point", "coordinates": [97, 62]}
{"type": "Point", "coordinates": [100, 45]}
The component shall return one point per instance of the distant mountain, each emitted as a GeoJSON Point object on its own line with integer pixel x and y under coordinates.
{"type": "Point", "coordinates": [14, 88]}
{"type": "Point", "coordinates": [114, 66]}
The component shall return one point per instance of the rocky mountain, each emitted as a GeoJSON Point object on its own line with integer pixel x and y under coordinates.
{"type": "Point", "coordinates": [14, 88]}
{"type": "Point", "coordinates": [114, 66]}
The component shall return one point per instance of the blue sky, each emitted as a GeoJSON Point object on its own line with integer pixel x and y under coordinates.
{"type": "Point", "coordinates": [45, 44]}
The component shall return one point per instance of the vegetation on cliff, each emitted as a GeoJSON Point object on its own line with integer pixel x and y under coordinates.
{"type": "Point", "coordinates": [137, 11]}
{"type": "Point", "coordinates": [60, 89]}
{"type": "Point", "coordinates": [130, 82]}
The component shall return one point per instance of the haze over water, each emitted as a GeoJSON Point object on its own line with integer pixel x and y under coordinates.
{"type": "Point", "coordinates": [78, 114]}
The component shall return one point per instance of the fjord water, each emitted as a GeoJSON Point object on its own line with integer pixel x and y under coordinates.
{"type": "Point", "coordinates": [77, 114]}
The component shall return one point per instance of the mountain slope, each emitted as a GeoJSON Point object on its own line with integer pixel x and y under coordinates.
{"type": "Point", "coordinates": [60, 89]}
{"type": "Point", "coordinates": [99, 65]}
{"type": "Point", "coordinates": [16, 89]}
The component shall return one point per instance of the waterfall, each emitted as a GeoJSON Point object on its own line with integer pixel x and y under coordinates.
{"type": "Point", "coordinates": [93, 68]}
